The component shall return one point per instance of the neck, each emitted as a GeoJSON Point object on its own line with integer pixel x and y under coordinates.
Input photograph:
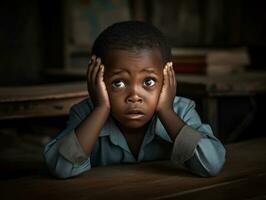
{"type": "Point", "coordinates": [134, 138]}
{"type": "Point", "coordinates": [133, 131]}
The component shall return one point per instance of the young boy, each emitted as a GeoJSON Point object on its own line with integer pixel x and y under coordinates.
{"type": "Point", "coordinates": [132, 114]}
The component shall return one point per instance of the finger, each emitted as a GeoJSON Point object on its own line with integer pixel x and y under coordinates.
{"type": "Point", "coordinates": [89, 71]}
{"type": "Point", "coordinates": [91, 60]}
{"type": "Point", "coordinates": [95, 71]}
{"type": "Point", "coordinates": [100, 79]}
{"type": "Point", "coordinates": [102, 72]}
{"type": "Point", "coordinates": [173, 80]}
{"type": "Point", "coordinates": [99, 76]}
{"type": "Point", "coordinates": [91, 63]}
{"type": "Point", "coordinates": [165, 76]}
{"type": "Point", "coordinates": [168, 74]}
{"type": "Point", "coordinates": [171, 75]}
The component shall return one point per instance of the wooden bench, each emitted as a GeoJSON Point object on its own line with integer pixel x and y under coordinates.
{"type": "Point", "coordinates": [243, 177]}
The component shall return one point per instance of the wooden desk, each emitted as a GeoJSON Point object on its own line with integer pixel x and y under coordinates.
{"type": "Point", "coordinates": [40, 100]}
{"type": "Point", "coordinates": [243, 177]}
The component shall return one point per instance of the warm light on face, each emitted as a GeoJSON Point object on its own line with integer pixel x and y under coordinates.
{"type": "Point", "coordinates": [133, 81]}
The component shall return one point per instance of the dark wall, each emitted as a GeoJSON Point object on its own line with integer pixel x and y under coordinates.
{"type": "Point", "coordinates": [31, 32]}
{"type": "Point", "coordinates": [30, 39]}
{"type": "Point", "coordinates": [20, 55]}
{"type": "Point", "coordinates": [216, 23]}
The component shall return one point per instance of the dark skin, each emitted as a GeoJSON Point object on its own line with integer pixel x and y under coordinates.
{"type": "Point", "coordinates": [132, 87]}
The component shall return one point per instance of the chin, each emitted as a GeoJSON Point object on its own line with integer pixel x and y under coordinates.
{"type": "Point", "coordinates": [135, 125]}
{"type": "Point", "coordinates": [132, 124]}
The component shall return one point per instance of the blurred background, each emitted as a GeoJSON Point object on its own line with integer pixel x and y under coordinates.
{"type": "Point", "coordinates": [218, 49]}
{"type": "Point", "coordinates": [38, 37]}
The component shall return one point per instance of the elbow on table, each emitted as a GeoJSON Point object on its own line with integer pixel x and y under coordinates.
{"type": "Point", "coordinates": [61, 174]}
{"type": "Point", "coordinates": [214, 166]}
{"type": "Point", "coordinates": [215, 169]}
{"type": "Point", "coordinates": [62, 169]}
{"type": "Point", "coordinates": [206, 166]}
{"type": "Point", "coordinates": [207, 170]}
{"type": "Point", "coordinates": [69, 173]}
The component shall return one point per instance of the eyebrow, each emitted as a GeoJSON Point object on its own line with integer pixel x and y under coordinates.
{"type": "Point", "coordinates": [149, 70]}
{"type": "Point", "coordinates": [120, 71]}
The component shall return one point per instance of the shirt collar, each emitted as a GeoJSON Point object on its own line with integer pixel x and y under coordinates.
{"type": "Point", "coordinates": [116, 137]}
{"type": "Point", "coordinates": [161, 131]}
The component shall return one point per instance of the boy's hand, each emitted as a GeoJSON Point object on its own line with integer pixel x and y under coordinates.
{"type": "Point", "coordinates": [168, 91]}
{"type": "Point", "coordinates": [96, 86]}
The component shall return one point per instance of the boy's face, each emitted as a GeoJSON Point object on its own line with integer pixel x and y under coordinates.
{"type": "Point", "coordinates": [133, 81]}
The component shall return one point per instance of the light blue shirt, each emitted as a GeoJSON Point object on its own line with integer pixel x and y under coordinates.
{"type": "Point", "coordinates": [195, 147]}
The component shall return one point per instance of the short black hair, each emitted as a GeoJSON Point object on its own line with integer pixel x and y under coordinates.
{"type": "Point", "coordinates": [131, 35]}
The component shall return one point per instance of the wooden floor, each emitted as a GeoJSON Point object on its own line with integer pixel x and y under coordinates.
{"type": "Point", "coordinates": [243, 177]}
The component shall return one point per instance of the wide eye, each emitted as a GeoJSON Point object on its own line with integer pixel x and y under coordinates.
{"type": "Point", "coordinates": [118, 84]}
{"type": "Point", "coordinates": [149, 82]}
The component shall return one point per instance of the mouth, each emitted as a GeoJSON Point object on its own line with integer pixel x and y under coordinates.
{"type": "Point", "coordinates": [134, 114]}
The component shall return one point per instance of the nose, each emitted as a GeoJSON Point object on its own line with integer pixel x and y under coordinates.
{"type": "Point", "coordinates": [134, 97]}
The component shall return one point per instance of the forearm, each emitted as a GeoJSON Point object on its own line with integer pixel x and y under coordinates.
{"type": "Point", "coordinates": [207, 159]}
{"type": "Point", "coordinates": [88, 131]}
{"type": "Point", "coordinates": [171, 122]}
{"type": "Point", "coordinates": [59, 165]}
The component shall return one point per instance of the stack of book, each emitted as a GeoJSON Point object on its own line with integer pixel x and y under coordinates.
{"type": "Point", "coordinates": [227, 61]}
{"type": "Point", "coordinates": [189, 61]}
{"type": "Point", "coordinates": [210, 61]}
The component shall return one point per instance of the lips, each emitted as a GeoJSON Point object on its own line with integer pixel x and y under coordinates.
{"type": "Point", "coordinates": [134, 114]}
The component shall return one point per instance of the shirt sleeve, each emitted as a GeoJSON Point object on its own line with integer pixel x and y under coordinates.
{"type": "Point", "coordinates": [64, 155]}
{"type": "Point", "coordinates": [195, 147]}
{"type": "Point", "coordinates": [71, 150]}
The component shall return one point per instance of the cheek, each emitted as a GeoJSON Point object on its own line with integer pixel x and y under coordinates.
{"type": "Point", "coordinates": [152, 98]}
{"type": "Point", "coordinates": [117, 105]}
{"type": "Point", "coordinates": [155, 100]}
{"type": "Point", "coordinates": [116, 100]}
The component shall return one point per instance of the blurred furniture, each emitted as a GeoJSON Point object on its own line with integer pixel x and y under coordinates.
{"type": "Point", "coordinates": [213, 89]}
{"type": "Point", "coordinates": [56, 99]}
{"type": "Point", "coordinates": [40, 100]}
{"type": "Point", "coordinates": [243, 177]}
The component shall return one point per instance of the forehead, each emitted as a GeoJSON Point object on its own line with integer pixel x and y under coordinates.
{"type": "Point", "coordinates": [133, 61]}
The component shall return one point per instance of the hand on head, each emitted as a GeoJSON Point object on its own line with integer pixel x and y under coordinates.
{"type": "Point", "coordinates": [95, 82]}
{"type": "Point", "coordinates": [168, 91]}
{"type": "Point", "coordinates": [99, 95]}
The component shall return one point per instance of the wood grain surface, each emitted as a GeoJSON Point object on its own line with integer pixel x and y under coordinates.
{"type": "Point", "coordinates": [243, 177]}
